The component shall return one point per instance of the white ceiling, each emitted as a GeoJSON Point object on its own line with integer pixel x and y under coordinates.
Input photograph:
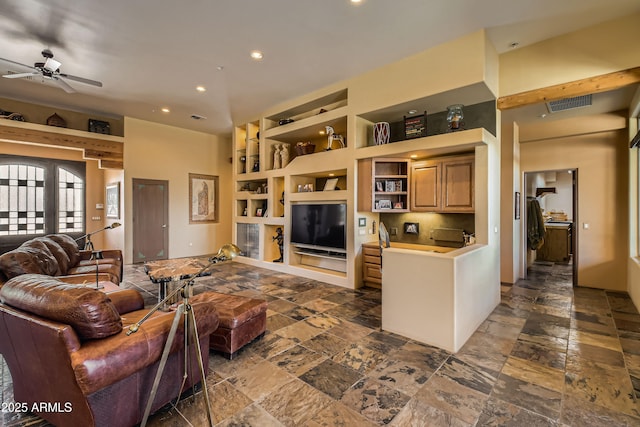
{"type": "Point", "coordinates": [153, 53]}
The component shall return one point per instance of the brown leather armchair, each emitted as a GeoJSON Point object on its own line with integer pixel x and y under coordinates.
{"type": "Point", "coordinates": [66, 347]}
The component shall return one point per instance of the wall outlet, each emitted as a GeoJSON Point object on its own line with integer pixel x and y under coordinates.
{"type": "Point", "coordinates": [393, 231]}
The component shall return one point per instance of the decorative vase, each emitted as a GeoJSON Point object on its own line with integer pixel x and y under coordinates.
{"type": "Point", "coordinates": [381, 133]}
{"type": "Point", "coordinates": [454, 117]}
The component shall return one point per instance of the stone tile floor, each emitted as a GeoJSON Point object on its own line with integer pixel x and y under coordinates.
{"type": "Point", "coordinates": [549, 355]}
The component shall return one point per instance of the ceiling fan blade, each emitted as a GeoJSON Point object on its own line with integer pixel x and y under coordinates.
{"type": "Point", "coordinates": [21, 75]}
{"type": "Point", "coordinates": [64, 85]}
{"type": "Point", "coordinates": [17, 63]}
{"type": "Point", "coordinates": [81, 80]}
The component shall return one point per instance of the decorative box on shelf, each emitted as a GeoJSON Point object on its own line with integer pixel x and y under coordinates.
{"type": "Point", "coordinates": [303, 148]}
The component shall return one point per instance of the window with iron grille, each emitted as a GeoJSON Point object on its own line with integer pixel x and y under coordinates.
{"type": "Point", "coordinates": [40, 196]}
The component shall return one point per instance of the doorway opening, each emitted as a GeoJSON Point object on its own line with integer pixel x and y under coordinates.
{"type": "Point", "coordinates": [555, 192]}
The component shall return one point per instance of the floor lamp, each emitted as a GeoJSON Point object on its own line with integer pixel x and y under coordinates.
{"type": "Point", "coordinates": [226, 252]}
{"type": "Point", "coordinates": [88, 245]}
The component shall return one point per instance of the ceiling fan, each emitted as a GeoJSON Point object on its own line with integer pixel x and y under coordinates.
{"type": "Point", "coordinates": [50, 69]}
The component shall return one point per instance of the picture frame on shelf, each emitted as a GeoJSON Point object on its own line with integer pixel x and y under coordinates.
{"type": "Point", "coordinates": [330, 185]}
{"type": "Point", "coordinates": [379, 186]}
{"type": "Point", "coordinates": [415, 126]}
{"type": "Point", "coordinates": [259, 212]}
{"type": "Point", "coordinates": [203, 198]}
{"type": "Point", "coordinates": [398, 205]}
{"type": "Point", "coordinates": [112, 197]}
{"type": "Point", "coordinates": [384, 204]}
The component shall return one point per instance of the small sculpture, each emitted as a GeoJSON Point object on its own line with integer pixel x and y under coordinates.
{"type": "Point", "coordinates": [284, 155]}
{"type": "Point", "coordinates": [279, 237]}
{"type": "Point", "coordinates": [276, 156]}
{"type": "Point", "coordinates": [332, 136]}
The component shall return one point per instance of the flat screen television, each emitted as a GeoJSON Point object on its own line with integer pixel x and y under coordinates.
{"type": "Point", "coordinates": [319, 226]}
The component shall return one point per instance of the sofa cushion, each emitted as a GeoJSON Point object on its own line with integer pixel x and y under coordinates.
{"type": "Point", "coordinates": [69, 245]}
{"type": "Point", "coordinates": [48, 262]}
{"type": "Point", "coordinates": [88, 311]}
{"type": "Point", "coordinates": [58, 253]}
{"type": "Point", "coordinates": [28, 259]}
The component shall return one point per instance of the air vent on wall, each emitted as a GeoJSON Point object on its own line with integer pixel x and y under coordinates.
{"type": "Point", "coordinates": [569, 103]}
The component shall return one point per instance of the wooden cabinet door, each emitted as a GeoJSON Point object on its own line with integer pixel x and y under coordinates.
{"type": "Point", "coordinates": [458, 185]}
{"type": "Point", "coordinates": [425, 187]}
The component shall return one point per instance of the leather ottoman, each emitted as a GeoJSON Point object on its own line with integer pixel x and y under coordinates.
{"type": "Point", "coordinates": [241, 320]}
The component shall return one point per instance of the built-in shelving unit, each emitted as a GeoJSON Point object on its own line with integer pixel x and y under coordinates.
{"type": "Point", "coordinates": [343, 164]}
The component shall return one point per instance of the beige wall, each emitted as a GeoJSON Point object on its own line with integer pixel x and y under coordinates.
{"type": "Point", "coordinates": [95, 182]}
{"type": "Point", "coordinates": [601, 160]}
{"type": "Point", "coordinates": [509, 184]}
{"type": "Point", "coordinates": [596, 50]}
{"type": "Point", "coordinates": [156, 151]}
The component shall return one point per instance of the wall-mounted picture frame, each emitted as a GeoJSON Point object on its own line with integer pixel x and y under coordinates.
{"type": "Point", "coordinates": [112, 197]}
{"type": "Point", "coordinates": [411, 228]}
{"type": "Point", "coordinates": [517, 205]}
{"type": "Point", "coordinates": [203, 198]}
{"type": "Point", "coordinates": [384, 204]}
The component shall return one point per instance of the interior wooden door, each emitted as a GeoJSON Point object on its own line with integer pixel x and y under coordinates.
{"type": "Point", "coordinates": [150, 220]}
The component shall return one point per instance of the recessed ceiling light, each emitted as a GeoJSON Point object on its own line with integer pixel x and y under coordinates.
{"type": "Point", "coordinates": [321, 132]}
{"type": "Point", "coordinates": [356, 1]}
{"type": "Point", "coordinates": [219, 68]}
{"type": "Point", "coordinates": [256, 54]}
{"type": "Point", "coordinates": [201, 88]}
{"type": "Point", "coordinates": [412, 111]}
{"type": "Point", "coordinates": [414, 156]}
{"type": "Point", "coordinates": [165, 110]}
{"type": "Point", "coordinates": [332, 174]}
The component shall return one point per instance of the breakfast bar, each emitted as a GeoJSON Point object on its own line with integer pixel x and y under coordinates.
{"type": "Point", "coordinates": [437, 296]}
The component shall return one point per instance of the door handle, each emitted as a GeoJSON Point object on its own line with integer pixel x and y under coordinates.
{"type": "Point", "coordinates": [164, 225]}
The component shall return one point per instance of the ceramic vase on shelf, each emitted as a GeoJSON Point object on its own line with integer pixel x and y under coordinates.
{"type": "Point", "coordinates": [454, 117]}
{"type": "Point", "coordinates": [381, 133]}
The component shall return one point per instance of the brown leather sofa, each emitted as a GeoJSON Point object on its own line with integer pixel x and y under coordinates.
{"type": "Point", "coordinates": [66, 347]}
{"type": "Point", "coordinates": [58, 255]}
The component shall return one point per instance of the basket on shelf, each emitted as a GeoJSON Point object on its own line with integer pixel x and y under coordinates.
{"type": "Point", "coordinates": [303, 148]}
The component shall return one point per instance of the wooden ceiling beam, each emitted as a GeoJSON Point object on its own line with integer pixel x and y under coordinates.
{"type": "Point", "coordinates": [107, 151]}
{"type": "Point", "coordinates": [601, 83]}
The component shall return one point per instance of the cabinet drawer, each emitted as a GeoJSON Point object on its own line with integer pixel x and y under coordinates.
{"type": "Point", "coordinates": [371, 251]}
{"type": "Point", "coordinates": [372, 259]}
{"type": "Point", "coordinates": [372, 272]}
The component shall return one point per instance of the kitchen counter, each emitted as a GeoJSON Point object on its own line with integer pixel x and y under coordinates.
{"type": "Point", "coordinates": [438, 296]}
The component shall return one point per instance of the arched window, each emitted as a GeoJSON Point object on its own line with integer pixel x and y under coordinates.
{"type": "Point", "coordinates": [21, 199]}
{"type": "Point", "coordinates": [40, 196]}
{"type": "Point", "coordinates": [70, 202]}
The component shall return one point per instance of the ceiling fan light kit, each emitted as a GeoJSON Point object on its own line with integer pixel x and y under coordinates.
{"type": "Point", "coordinates": [49, 69]}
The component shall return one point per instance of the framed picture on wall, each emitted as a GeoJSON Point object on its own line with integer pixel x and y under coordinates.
{"type": "Point", "coordinates": [203, 198]}
{"type": "Point", "coordinates": [112, 197]}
